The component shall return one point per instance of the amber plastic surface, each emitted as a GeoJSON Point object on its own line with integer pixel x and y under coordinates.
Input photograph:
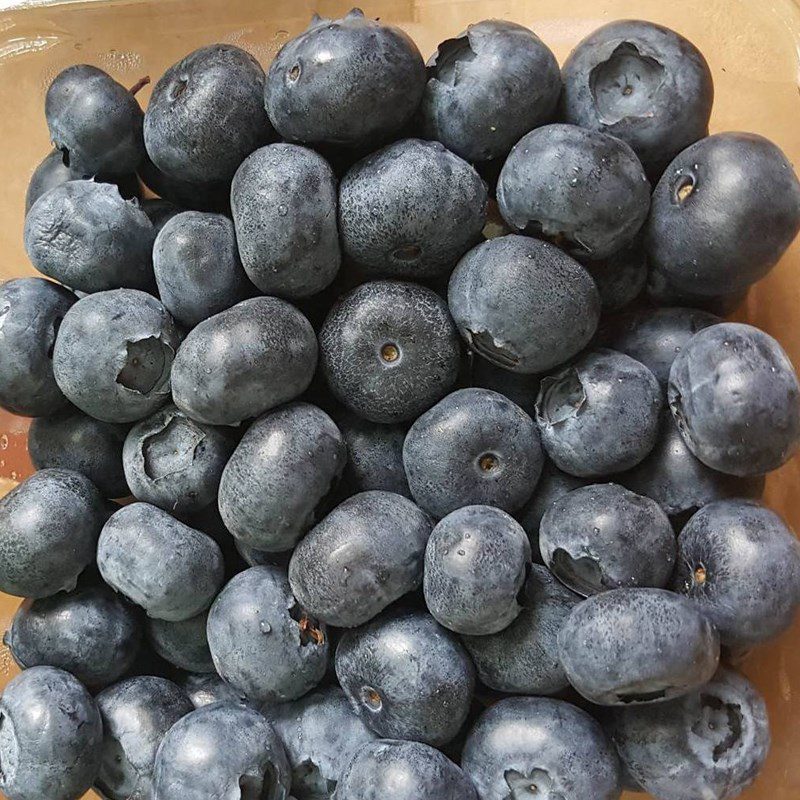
{"type": "Point", "coordinates": [753, 47]}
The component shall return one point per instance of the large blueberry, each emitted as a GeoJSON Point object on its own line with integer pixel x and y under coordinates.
{"type": "Point", "coordinates": [364, 555]}
{"type": "Point", "coordinates": [523, 304]}
{"type": "Point", "coordinates": [407, 677]}
{"type": "Point", "coordinates": [324, 84]}
{"type": "Point", "coordinates": [736, 399]}
{"type": "Point", "coordinates": [262, 641]}
{"type": "Point", "coordinates": [31, 311]}
{"type": "Point", "coordinates": [113, 355]}
{"type": "Point", "coordinates": [206, 114]}
{"type": "Point", "coordinates": [389, 350]}
{"type": "Point", "coordinates": [637, 645]}
{"type": "Point", "coordinates": [244, 361]}
{"type": "Point", "coordinates": [50, 524]}
{"type": "Point", "coordinates": [279, 473]}
{"type": "Point", "coordinates": [529, 747]}
{"type": "Point", "coordinates": [207, 688]}
{"type": "Point", "coordinates": [183, 643]}
{"type": "Point", "coordinates": [474, 447]}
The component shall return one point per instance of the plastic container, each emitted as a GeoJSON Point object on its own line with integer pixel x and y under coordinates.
{"type": "Point", "coordinates": [753, 48]}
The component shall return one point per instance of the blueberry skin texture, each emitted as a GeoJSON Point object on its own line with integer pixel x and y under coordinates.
{"type": "Point", "coordinates": [183, 644]}
{"type": "Point", "coordinates": [221, 751]}
{"type": "Point", "coordinates": [711, 743]}
{"type": "Point", "coordinates": [244, 361]}
{"type": "Point", "coordinates": [50, 524]}
{"type": "Point", "coordinates": [475, 565]}
{"type": "Point", "coordinates": [741, 564]}
{"type": "Point", "coordinates": [642, 83]}
{"type": "Point", "coordinates": [407, 677]}
{"type": "Point", "coordinates": [698, 249]}
{"type": "Point", "coordinates": [262, 642]}
{"type": "Point", "coordinates": [523, 658]}
{"type": "Point", "coordinates": [600, 415]}
{"type": "Point", "coordinates": [137, 713]}
{"type": "Point", "coordinates": [487, 88]}
{"type": "Point", "coordinates": [197, 266]}
{"type": "Point", "coordinates": [174, 462]}
{"type": "Point", "coordinates": [323, 84]}
{"type": "Point", "coordinates": [208, 688]}
{"type": "Point", "coordinates": [70, 439]}
{"type": "Point", "coordinates": [389, 350]}
{"type": "Point", "coordinates": [89, 632]}
{"type": "Point", "coordinates": [603, 537]}
{"type": "Point", "coordinates": [367, 553]}
{"type": "Point", "coordinates": [94, 121]}
{"type": "Point", "coordinates": [113, 355]}
{"type": "Point", "coordinates": [637, 645]}
{"type": "Point", "coordinates": [584, 188]}
{"type": "Point", "coordinates": [523, 745]}
{"type": "Point", "coordinates": [283, 199]}
{"type": "Point", "coordinates": [403, 771]}
{"type": "Point", "coordinates": [474, 447]}
{"type": "Point", "coordinates": [320, 733]}
{"type": "Point", "coordinates": [411, 210]}
{"type": "Point", "coordinates": [51, 736]}
{"type": "Point", "coordinates": [278, 475]}
{"type": "Point", "coordinates": [205, 115]}
{"type": "Point", "coordinates": [735, 397]}
{"type": "Point", "coordinates": [169, 569]}
{"type": "Point", "coordinates": [523, 304]}
{"type": "Point", "coordinates": [85, 235]}
{"type": "Point", "coordinates": [31, 310]}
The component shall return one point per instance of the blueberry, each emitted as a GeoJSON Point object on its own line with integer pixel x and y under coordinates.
{"type": "Point", "coordinates": [643, 83]}
{"type": "Point", "coordinates": [411, 210]}
{"type": "Point", "coordinates": [364, 555]}
{"type": "Point", "coordinates": [600, 415]}
{"type": "Point", "coordinates": [183, 643]}
{"type": "Point", "coordinates": [603, 537]}
{"type": "Point", "coordinates": [137, 713]}
{"type": "Point", "coordinates": [197, 266]}
{"type": "Point", "coordinates": [621, 277]}
{"type": "Point", "coordinates": [475, 566]}
{"type": "Point", "coordinates": [736, 399]}
{"type": "Point", "coordinates": [523, 304]}
{"type": "Point", "coordinates": [323, 85]}
{"type": "Point", "coordinates": [389, 350]}
{"type": "Point", "coordinates": [89, 632]}
{"type": "Point", "coordinates": [320, 733]}
{"type": "Point", "coordinates": [281, 470]}
{"type": "Point", "coordinates": [528, 747]}
{"type": "Point", "coordinates": [72, 440]}
{"type": "Point", "coordinates": [518, 387]}
{"type": "Point", "coordinates": [628, 646]}
{"type": "Point", "coordinates": [661, 293]}
{"type": "Point", "coordinates": [169, 569]}
{"type": "Point", "coordinates": [706, 206]}
{"type": "Point", "coordinates": [50, 737]}
{"type": "Point", "coordinates": [50, 525]}
{"type": "Point", "coordinates": [207, 689]}
{"type": "Point", "coordinates": [205, 195]}
{"type": "Point", "coordinates": [31, 311]}
{"type": "Point", "coordinates": [174, 462]}
{"type": "Point", "coordinates": [262, 641]}
{"type": "Point", "coordinates": [283, 199]}
{"type": "Point", "coordinates": [244, 361]}
{"type": "Point", "coordinates": [711, 743]}
{"type": "Point", "coordinates": [84, 234]}
{"type": "Point", "coordinates": [741, 564]}
{"type": "Point", "coordinates": [94, 121]}
{"type": "Point", "coordinates": [403, 771]}
{"type": "Point", "coordinates": [474, 447]}
{"type": "Point", "coordinates": [221, 750]}
{"type": "Point", "coordinates": [488, 87]}
{"type": "Point", "coordinates": [584, 189]}
{"type": "Point", "coordinates": [407, 677]}
{"type": "Point", "coordinates": [523, 658]}
{"type": "Point", "coordinates": [159, 212]}
{"type": "Point", "coordinates": [206, 114]}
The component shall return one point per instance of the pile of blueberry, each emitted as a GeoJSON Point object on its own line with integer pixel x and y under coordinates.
{"type": "Point", "coordinates": [424, 502]}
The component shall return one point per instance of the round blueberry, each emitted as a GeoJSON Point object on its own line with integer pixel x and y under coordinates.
{"type": "Point", "coordinates": [183, 644]}
{"type": "Point", "coordinates": [205, 689]}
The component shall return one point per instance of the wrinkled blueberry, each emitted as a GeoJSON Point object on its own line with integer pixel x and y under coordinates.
{"type": "Point", "coordinates": [621, 277]}
{"type": "Point", "coordinates": [183, 643]}
{"type": "Point", "coordinates": [205, 689]}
